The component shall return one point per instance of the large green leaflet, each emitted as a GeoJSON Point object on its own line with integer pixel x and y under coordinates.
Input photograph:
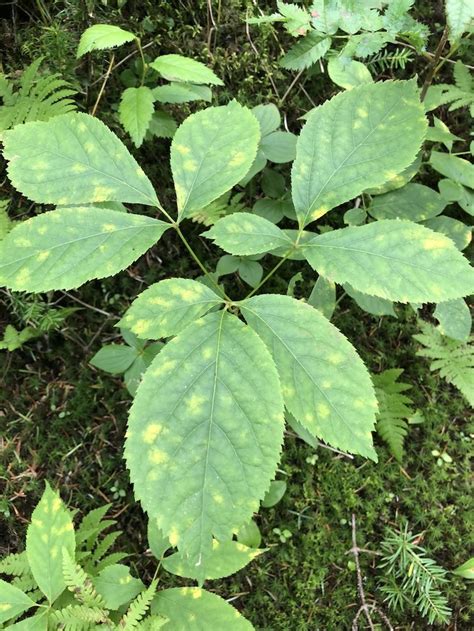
{"type": "Point", "coordinates": [413, 201]}
{"type": "Point", "coordinates": [51, 531]}
{"type": "Point", "coordinates": [205, 432]}
{"type": "Point", "coordinates": [193, 608]}
{"type": "Point", "coordinates": [65, 248]}
{"type": "Point", "coordinates": [167, 307]}
{"type": "Point", "coordinates": [245, 234]}
{"type": "Point", "coordinates": [13, 601]}
{"type": "Point", "coordinates": [353, 142]}
{"type": "Point", "coordinates": [101, 36]}
{"type": "Point", "coordinates": [211, 152]}
{"type": "Point", "coordinates": [325, 384]}
{"type": "Point", "coordinates": [393, 259]}
{"type": "Point", "coordinates": [74, 159]}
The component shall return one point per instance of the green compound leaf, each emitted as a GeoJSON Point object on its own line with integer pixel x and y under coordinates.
{"type": "Point", "coordinates": [13, 601]}
{"type": "Point", "coordinates": [182, 93]}
{"type": "Point", "coordinates": [413, 201]}
{"type": "Point", "coordinates": [101, 36]}
{"type": "Point", "coordinates": [393, 259]}
{"type": "Point", "coordinates": [67, 247]}
{"type": "Point", "coordinates": [225, 558]}
{"type": "Point", "coordinates": [135, 112]}
{"type": "Point", "coordinates": [51, 531]}
{"type": "Point", "coordinates": [193, 608]}
{"type": "Point", "coordinates": [179, 68]}
{"type": "Point", "coordinates": [244, 234]}
{"type": "Point", "coordinates": [353, 142]}
{"type": "Point", "coordinates": [306, 52]}
{"type": "Point", "coordinates": [325, 384]}
{"type": "Point", "coordinates": [454, 168]}
{"type": "Point", "coordinates": [205, 432]}
{"type": "Point", "coordinates": [454, 319]}
{"type": "Point", "coordinates": [167, 307]}
{"type": "Point", "coordinates": [210, 153]}
{"type": "Point", "coordinates": [74, 159]}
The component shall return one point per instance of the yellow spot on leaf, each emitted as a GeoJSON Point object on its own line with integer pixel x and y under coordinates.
{"type": "Point", "coordinates": [194, 403]}
{"type": "Point", "coordinates": [22, 242]}
{"type": "Point", "coordinates": [157, 456]}
{"type": "Point", "coordinates": [190, 165]}
{"type": "Point", "coordinates": [141, 326]}
{"type": "Point", "coordinates": [363, 112]}
{"type": "Point", "coordinates": [22, 277]}
{"type": "Point", "coordinates": [197, 592]}
{"type": "Point", "coordinates": [218, 499]}
{"type": "Point", "coordinates": [56, 504]}
{"type": "Point", "coordinates": [319, 212]}
{"type": "Point", "coordinates": [182, 149]}
{"type": "Point", "coordinates": [434, 243]}
{"type": "Point", "coordinates": [164, 368]}
{"type": "Point", "coordinates": [323, 410]}
{"type": "Point", "coordinates": [152, 431]}
{"type": "Point", "coordinates": [335, 358]}
{"type": "Point", "coordinates": [109, 227]}
{"type": "Point", "coordinates": [174, 536]}
{"type": "Point", "coordinates": [79, 168]}
{"type": "Point", "coordinates": [238, 158]}
{"type": "Point", "coordinates": [42, 256]}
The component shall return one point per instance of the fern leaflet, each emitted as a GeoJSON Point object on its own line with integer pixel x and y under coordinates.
{"type": "Point", "coordinates": [394, 409]}
{"type": "Point", "coordinates": [79, 583]}
{"type": "Point", "coordinates": [453, 359]}
{"type": "Point", "coordinates": [138, 608]}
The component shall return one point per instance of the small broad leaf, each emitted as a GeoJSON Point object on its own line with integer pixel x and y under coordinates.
{"type": "Point", "coordinates": [454, 319]}
{"type": "Point", "coordinates": [413, 201]}
{"type": "Point", "coordinates": [180, 68]}
{"type": "Point", "coordinates": [306, 51]}
{"type": "Point", "coordinates": [466, 570]}
{"type": "Point", "coordinates": [167, 307]}
{"type": "Point", "coordinates": [182, 93]}
{"type": "Point", "coordinates": [360, 130]}
{"type": "Point", "coordinates": [13, 601]}
{"type": "Point", "coordinates": [274, 494]}
{"type": "Point", "coordinates": [114, 358]}
{"type": "Point", "coordinates": [162, 125]}
{"type": "Point", "coordinates": [454, 168]}
{"type": "Point", "coordinates": [279, 147]}
{"type": "Point", "coordinates": [251, 272]}
{"type": "Point", "coordinates": [325, 385]}
{"type": "Point", "coordinates": [372, 304]}
{"type": "Point", "coordinates": [210, 153]}
{"type": "Point", "coordinates": [101, 36]}
{"type": "Point", "coordinates": [205, 611]}
{"type": "Point", "coordinates": [348, 73]}
{"type": "Point", "coordinates": [393, 259]}
{"type": "Point", "coordinates": [249, 534]}
{"type": "Point", "coordinates": [50, 532]}
{"type": "Point", "coordinates": [455, 192]}
{"type": "Point", "coordinates": [244, 234]}
{"type": "Point", "coordinates": [323, 296]}
{"type": "Point", "coordinates": [135, 112]}
{"type": "Point", "coordinates": [225, 558]}
{"type": "Point", "coordinates": [116, 586]}
{"type": "Point", "coordinates": [67, 247]}
{"type": "Point", "coordinates": [74, 159]}
{"type": "Point", "coordinates": [268, 118]}
{"type": "Point", "coordinates": [205, 432]}
{"type": "Point", "coordinates": [460, 18]}
{"type": "Point", "coordinates": [456, 230]}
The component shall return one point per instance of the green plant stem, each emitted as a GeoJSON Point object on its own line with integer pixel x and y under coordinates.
{"type": "Point", "coordinates": [144, 65]}
{"type": "Point", "coordinates": [198, 261]}
{"type": "Point", "coordinates": [270, 274]}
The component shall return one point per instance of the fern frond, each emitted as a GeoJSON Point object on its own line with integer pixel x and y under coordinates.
{"type": "Point", "coordinates": [152, 623]}
{"type": "Point", "coordinates": [224, 205]}
{"type": "Point", "coordinates": [138, 608]}
{"type": "Point", "coordinates": [15, 565]}
{"type": "Point", "coordinates": [394, 409]}
{"type": "Point", "coordinates": [391, 60]}
{"type": "Point", "coordinates": [104, 546]}
{"type": "Point", "coordinates": [37, 97]}
{"type": "Point", "coordinates": [453, 359]}
{"type": "Point", "coordinates": [93, 523]}
{"type": "Point", "coordinates": [25, 582]}
{"type": "Point", "coordinates": [80, 584]}
{"type": "Point", "coordinates": [110, 559]}
{"type": "Point", "coordinates": [79, 617]}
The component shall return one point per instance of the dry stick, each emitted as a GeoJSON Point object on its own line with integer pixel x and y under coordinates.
{"type": "Point", "coordinates": [275, 89]}
{"type": "Point", "coordinates": [122, 61]}
{"type": "Point", "coordinates": [102, 87]}
{"type": "Point", "coordinates": [434, 63]}
{"type": "Point", "coordinates": [364, 608]}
